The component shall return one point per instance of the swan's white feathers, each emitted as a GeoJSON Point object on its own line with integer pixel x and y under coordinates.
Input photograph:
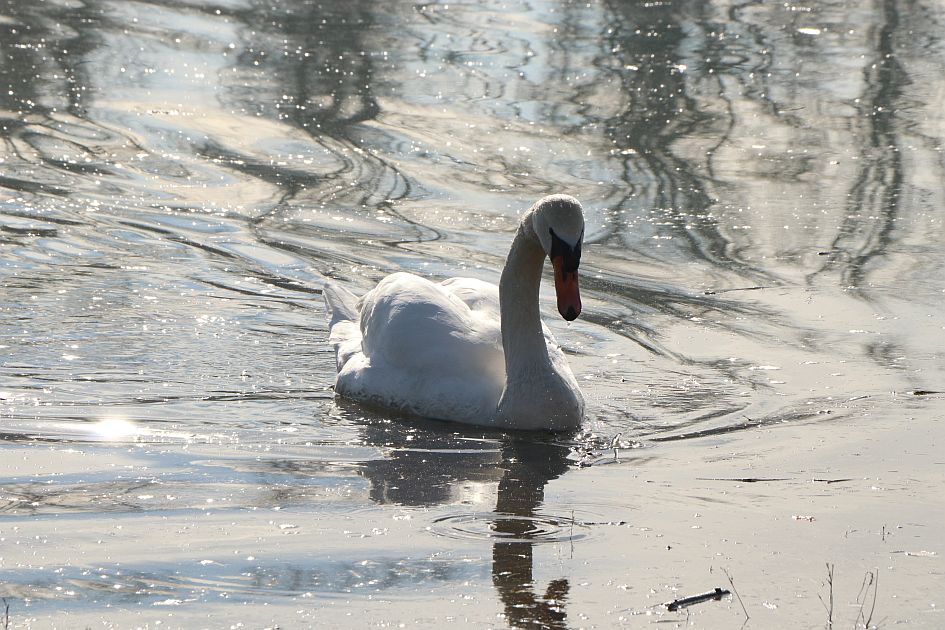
{"type": "Point", "coordinates": [413, 323]}
{"type": "Point", "coordinates": [345, 335]}
{"type": "Point", "coordinates": [436, 349]}
{"type": "Point", "coordinates": [342, 303]}
{"type": "Point", "coordinates": [476, 294]}
{"type": "Point", "coordinates": [557, 211]}
{"type": "Point", "coordinates": [424, 348]}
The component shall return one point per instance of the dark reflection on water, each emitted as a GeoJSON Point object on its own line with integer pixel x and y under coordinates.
{"type": "Point", "coordinates": [425, 466]}
{"type": "Point", "coordinates": [528, 468]}
{"type": "Point", "coordinates": [646, 45]}
{"type": "Point", "coordinates": [874, 198]}
{"type": "Point", "coordinates": [422, 470]}
{"type": "Point", "coordinates": [763, 191]}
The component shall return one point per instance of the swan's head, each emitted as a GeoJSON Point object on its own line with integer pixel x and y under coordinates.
{"type": "Point", "coordinates": [558, 221]}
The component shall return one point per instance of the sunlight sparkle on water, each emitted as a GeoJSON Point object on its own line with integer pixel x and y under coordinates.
{"type": "Point", "coordinates": [114, 429]}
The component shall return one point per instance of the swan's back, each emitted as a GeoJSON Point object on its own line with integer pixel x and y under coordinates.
{"type": "Point", "coordinates": [427, 349]}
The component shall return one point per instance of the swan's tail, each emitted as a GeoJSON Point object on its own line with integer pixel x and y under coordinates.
{"type": "Point", "coordinates": [342, 303]}
{"type": "Point", "coordinates": [344, 329]}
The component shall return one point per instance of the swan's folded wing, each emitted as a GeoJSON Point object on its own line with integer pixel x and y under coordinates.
{"type": "Point", "coordinates": [417, 326]}
{"type": "Point", "coordinates": [422, 351]}
{"type": "Point", "coordinates": [478, 295]}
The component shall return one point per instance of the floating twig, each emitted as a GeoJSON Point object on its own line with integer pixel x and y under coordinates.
{"type": "Point", "coordinates": [717, 291]}
{"type": "Point", "coordinates": [744, 479]}
{"type": "Point", "coordinates": [684, 602]}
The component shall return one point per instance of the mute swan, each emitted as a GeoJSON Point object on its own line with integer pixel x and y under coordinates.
{"type": "Point", "coordinates": [463, 349]}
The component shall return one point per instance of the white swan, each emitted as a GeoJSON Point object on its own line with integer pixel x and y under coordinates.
{"type": "Point", "coordinates": [466, 350]}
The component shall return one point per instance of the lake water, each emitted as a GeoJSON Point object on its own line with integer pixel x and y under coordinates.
{"type": "Point", "coordinates": [762, 346]}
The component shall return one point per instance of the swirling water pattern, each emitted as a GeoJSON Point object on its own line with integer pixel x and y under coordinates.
{"type": "Point", "coordinates": [762, 285]}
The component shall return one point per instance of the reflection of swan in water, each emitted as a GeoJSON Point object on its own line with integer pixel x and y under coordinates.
{"type": "Point", "coordinates": [427, 466]}
{"type": "Point", "coordinates": [464, 349]}
{"type": "Point", "coordinates": [528, 467]}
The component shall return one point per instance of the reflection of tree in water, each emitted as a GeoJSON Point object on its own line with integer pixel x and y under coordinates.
{"type": "Point", "coordinates": [658, 110]}
{"type": "Point", "coordinates": [643, 55]}
{"type": "Point", "coordinates": [313, 66]}
{"type": "Point", "coordinates": [874, 199]}
{"type": "Point", "coordinates": [303, 64]}
{"type": "Point", "coordinates": [680, 69]}
{"type": "Point", "coordinates": [653, 102]}
{"type": "Point", "coordinates": [43, 82]}
{"type": "Point", "coordinates": [42, 49]}
{"type": "Point", "coordinates": [651, 41]}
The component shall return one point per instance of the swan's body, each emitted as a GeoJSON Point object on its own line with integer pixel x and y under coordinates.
{"type": "Point", "coordinates": [463, 349]}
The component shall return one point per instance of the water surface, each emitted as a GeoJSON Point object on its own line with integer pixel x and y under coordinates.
{"type": "Point", "coordinates": [761, 346]}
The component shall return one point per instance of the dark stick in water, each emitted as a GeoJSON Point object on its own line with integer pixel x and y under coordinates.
{"type": "Point", "coordinates": [678, 604]}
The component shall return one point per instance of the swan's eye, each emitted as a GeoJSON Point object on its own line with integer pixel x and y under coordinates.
{"type": "Point", "coordinates": [571, 256]}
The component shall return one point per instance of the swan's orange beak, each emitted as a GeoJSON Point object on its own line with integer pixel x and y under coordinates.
{"type": "Point", "coordinates": [566, 286]}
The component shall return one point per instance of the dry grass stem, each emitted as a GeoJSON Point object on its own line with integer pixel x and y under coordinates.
{"type": "Point", "coordinates": [830, 595]}
{"type": "Point", "coordinates": [870, 581]}
{"type": "Point", "coordinates": [739, 597]}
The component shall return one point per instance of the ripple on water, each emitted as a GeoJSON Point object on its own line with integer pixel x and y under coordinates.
{"type": "Point", "coordinates": [499, 527]}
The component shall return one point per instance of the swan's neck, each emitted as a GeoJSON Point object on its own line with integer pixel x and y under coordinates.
{"type": "Point", "coordinates": [522, 338]}
{"type": "Point", "coordinates": [537, 394]}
